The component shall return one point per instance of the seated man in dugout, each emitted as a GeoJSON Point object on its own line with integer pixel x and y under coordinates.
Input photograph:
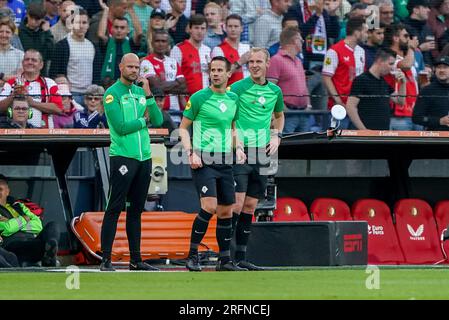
{"type": "Point", "coordinates": [23, 233]}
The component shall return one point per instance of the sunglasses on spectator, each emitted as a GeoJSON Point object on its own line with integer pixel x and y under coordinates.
{"type": "Point", "coordinates": [93, 98]}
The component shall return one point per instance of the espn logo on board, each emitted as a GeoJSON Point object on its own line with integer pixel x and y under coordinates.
{"type": "Point", "coordinates": [352, 243]}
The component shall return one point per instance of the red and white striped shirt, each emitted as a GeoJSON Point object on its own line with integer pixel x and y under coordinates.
{"type": "Point", "coordinates": [194, 64]}
{"type": "Point", "coordinates": [166, 70]}
{"type": "Point", "coordinates": [42, 90]}
{"type": "Point", "coordinates": [233, 55]}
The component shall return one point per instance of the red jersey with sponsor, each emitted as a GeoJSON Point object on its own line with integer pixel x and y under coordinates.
{"type": "Point", "coordinates": [194, 64]}
{"type": "Point", "coordinates": [42, 90]}
{"type": "Point", "coordinates": [166, 70]}
{"type": "Point", "coordinates": [343, 64]}
{"type": "Point", "coordinates": [233, 55]}
{"type": "Point", "coordinates": [411, 90]}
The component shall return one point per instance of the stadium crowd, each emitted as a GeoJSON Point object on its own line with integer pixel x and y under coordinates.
{"type": "Point", "coordinates": [58, 57]}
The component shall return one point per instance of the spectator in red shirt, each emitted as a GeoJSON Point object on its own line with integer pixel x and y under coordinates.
{"type": "Point", "coordinates": [193, 56]}
{"type": "Point", "coordinates": [343, 62]}
{"type": "Point", "coordinates": [232, 49]}
{"type": "Point", "coordinates": [41, 93]}
{"type": "Point", "coordinates": [164, 72]}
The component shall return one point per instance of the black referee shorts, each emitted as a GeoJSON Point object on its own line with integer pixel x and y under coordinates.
{"type": "Point", "coordinates": [217, 181]}
{"type": "Point", "coordinates": [249, 180]}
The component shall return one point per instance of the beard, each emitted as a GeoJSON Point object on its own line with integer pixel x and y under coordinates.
{"type": "Point", "coordinates": [403, 47]}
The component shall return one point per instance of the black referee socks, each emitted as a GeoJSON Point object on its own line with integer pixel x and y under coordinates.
{"type": "Point", "coordinates": [242, 235]}
{"type": "Point", "coordinates": [224, 236]}
{"type": "Point", "coordinates": [199, 229]}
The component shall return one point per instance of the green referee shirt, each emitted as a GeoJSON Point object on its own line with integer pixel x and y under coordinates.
{"type": "Point", "coordinates": [125, 107]}
{"type": "Point", "coordinates": [212, 115]}
{"type": "Point", "coordinates": [256, 105]}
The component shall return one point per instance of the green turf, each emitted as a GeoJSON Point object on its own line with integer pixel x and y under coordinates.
{"type": "Point", "coordinates": [306, 284]}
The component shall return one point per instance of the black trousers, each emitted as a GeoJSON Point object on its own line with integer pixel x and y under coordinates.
{"type": "Point", "coordinates": [8, 259]}
{"type": "Point", "coordinates": [29, 248]}
{"type": "Point", "coordinates": [129, 182]}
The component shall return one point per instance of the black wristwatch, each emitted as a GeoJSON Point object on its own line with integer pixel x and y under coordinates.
{"type": "Point", "coordinates": [280, 135]}
{"type": "Point", "coordinates": [149, 97]}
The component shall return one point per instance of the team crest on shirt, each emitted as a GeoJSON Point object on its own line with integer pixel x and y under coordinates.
{"type": "Point", "coordinates": [109, 99]}
{"type": "Point", "coordinates": [142, 100]}
{"type": "Point", "coordinates": [223, 107]}
{"type": "Point", "coordinates": [328, 61]}
{"type": "Point", "coordinates": [189, 105]}
{"type": "Point", "coordinates": [262, 100]}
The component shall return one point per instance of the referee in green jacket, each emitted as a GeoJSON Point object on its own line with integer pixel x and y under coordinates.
{"type": "Point", "coordinates": [129, 108]}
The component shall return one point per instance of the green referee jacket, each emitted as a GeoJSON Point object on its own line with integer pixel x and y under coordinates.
{"type": "Point", "coordinates": [125, 107]}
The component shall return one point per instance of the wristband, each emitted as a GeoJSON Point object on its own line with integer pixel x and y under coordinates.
{"type": "Point", "coordinates": [149, 97]}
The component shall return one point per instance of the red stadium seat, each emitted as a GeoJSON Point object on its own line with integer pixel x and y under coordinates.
{"type": "Point", "coordinates": [442, 218]}
{"type": "Point", "coordinates": [417, 232]}
{"type": "Point", "coordinates": [330, 209]}
{"type": "Point", "coordinates": [290, 209]}
{"type": "Point", "coordinates": [383, 243]}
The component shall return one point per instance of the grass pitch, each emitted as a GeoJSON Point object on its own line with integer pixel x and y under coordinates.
{"type": "Point", "coordinates": [318, 283]}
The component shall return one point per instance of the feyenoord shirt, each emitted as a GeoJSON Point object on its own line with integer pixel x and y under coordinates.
{"type": "Point", "coordinates": [212, 115]}
{"type": "Point", "coordinates": [343, 64]}
{"type": "Point", "coordinates": [194, 64]}
{"type": "Point", "coordinates": [42, 90]}
{"type": "Point", "coordinates": [256, 105]}
{"type": "Point", "coordinates": [233, 55]}
{"type": "Point", "coordinates": [166, 70]}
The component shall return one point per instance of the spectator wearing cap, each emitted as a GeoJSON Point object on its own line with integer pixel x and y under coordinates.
{"type": "Point", "coordinates": [77, 58]}
{"type": "Point", "coordinates": [417, 21]}
{"type": "Point", "coordinates": [157, 22]}
{"type": "Point", "coordinates": [92, 116]}
{"type": "Point", "coordinates": [61, 29]}
{"type": "Point", "coordinates": [143, 11]}
{"type": "Point", "coordinates": [34, 33]}
{"type": "Point", "coordinates": [432, 108]}
{"type": "Point", "coordinates": [177, 22]}
{"type": "Point", "coordinates": [164, 73]}
{"type": "Point", "coordinates": [6, 15]}
{"type": "Point", "coordinates": [10, 57]}
{"type": "Point", "coordinates": [215, 33]}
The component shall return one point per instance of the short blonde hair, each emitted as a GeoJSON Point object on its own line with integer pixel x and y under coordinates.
{"type": "Point", "coordinates": [256, 49]}
{"type": "Point", "coordinates": [212, 5]}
